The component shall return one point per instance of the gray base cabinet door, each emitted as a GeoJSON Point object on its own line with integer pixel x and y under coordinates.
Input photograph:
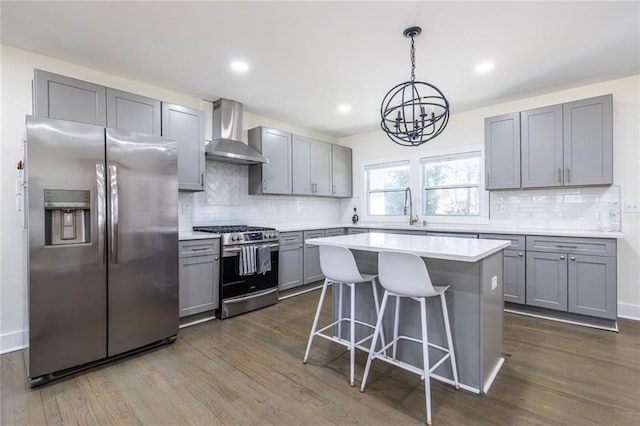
{"type": "Point", "coordinates": [502, 151]}
{"type": "Point", "coordinates": [290, 260]}
{"type": "Point", "coordinates": [588, 141]}
{"type": "Point", "coordinates": [134, 113]}
{"type": "Point", "coordinates": [312, 270]}
{"type": "Point", "coordinates": [199, 284]}
{"type": "Point", "coordinates": [592, 286]}
{"type": "Point", "coordinates": [186, 126]}
{"type": "Point", "coordinates": [514, 276]}
{"type": "Point", "coordinates": [65, 98]}
{"type": "Point", "coordinates": [341, 174]}
{"type": "Point", "coordinates": [547, 280]}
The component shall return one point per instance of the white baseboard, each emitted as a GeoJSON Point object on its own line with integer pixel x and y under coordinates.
{"type": "Point", "coordinates": [12, 341]}
{"type": "Point", "coordinates": [629, 311]}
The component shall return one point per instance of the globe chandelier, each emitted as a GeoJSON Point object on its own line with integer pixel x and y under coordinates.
{"type": "Point", "coordinates": [414, 112]}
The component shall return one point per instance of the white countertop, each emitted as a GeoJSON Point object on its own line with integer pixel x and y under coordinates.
{"type": "Point", "coordinates": [195, 235]}
{"type": "Point", "coordinates": [475, 228]}
{"type": "Point", "coordinates": [447, 248]}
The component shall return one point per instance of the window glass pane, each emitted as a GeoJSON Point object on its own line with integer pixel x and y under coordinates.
{"type": "Point", "coordinates": [388, 178]}
{"type": "Point", "coordinates": [464, 171]}
{"type": "Point", "coordinates": [451, 202]}
{"type": "Point", "coordinates": [386, 203]}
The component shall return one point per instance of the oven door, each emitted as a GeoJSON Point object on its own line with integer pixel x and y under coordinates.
{"type": "Point", "coordinates": [244, 293]}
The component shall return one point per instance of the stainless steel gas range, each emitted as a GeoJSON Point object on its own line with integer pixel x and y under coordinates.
{"type": "Point", "coordinates": [249, 269]}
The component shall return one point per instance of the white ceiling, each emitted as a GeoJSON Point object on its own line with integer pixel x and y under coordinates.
{"type": "Point", "coordinates": [306, 58]}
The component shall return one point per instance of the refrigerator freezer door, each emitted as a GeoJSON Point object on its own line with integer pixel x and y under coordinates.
{"type": "Point", "coordinates": [142, 203]}
{"type": "Point", "coordinates": [66, 282]}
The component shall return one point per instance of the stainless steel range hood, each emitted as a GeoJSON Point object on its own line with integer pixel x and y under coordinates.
{"type": "Point", "coordinates": [227, 134]}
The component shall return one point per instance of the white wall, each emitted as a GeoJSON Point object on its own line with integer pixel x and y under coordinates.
{"type": "Point", "coordinates": [16, 73]}
{"type": "Point", "coordinates": [468, 129]}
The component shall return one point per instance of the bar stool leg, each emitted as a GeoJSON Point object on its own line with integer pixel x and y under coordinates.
{"type": "Point", "coordinates": [425, 358]}
{"type": "Point", "coordinates": [376, 300]}
{"type": "Point", "coordinates": [339, 310]}
{"type": "Point", "coordinates": [352, 336]}
{"type": "Point", "coordinates": [396, 321]}
{"type": "Point", "coordinates": [452, 356]}
{"type": "Point", "coordinates": [374, 340]}
{"type": "Point", "coordinates": [315, 320]}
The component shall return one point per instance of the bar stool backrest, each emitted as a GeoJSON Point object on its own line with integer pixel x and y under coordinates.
{"type": "Point", "coordinates": [404, 273]}
{"type": "Point", "coordinates": [338, 264]}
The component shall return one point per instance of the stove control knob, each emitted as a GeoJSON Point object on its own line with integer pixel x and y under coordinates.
{"type": "Point", "coordinates": [269, 234]}
{"type": "Point", "coordinates": [235, 238]}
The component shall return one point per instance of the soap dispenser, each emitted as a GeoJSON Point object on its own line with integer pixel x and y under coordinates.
{"type": "Point", "coordinates": [355, 217]}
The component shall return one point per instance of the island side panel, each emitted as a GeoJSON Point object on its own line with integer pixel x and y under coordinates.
{"type": "Point", "coordinates": [492, 315]}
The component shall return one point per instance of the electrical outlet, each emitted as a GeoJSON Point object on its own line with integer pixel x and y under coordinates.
{"type": "Point", "coordinates": [186, 208]}
{"type": "Point", "coordinates": [502, 208]}
{"type": "Point", "coordinates": [632, 206]}
{"type": "Point", "coordinates": [494, 282]}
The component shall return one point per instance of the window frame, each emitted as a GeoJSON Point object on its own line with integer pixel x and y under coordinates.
{"type": "Point", "coordinates": [379, 165]}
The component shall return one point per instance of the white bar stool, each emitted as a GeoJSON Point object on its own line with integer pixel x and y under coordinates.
{"type": "Point", "coordinates": [406, 275]}
{"type": "Point", "coordinates": [339, 267]}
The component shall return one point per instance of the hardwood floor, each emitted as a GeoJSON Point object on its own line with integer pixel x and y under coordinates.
{"type": "Point", "coordinates": [248, 370]}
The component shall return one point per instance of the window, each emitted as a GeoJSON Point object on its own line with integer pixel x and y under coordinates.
{"type": "Point", "coordinates": [451, 185]}
{"type": "Point", "coordinates": [385, 185]}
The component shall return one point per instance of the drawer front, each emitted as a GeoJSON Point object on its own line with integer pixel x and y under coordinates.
{"type": "Point", "coordinates": [451, 234]}
{"type": "Point", "coordinates": [193, 248]}
{"type": "Point", "coordinates": [592, 246]}
{"type": "Point", "coordinates": [290, 239]}
{"type": "Point", "coordinates": [313, 234]}
{"type": "Point", "coordinates": [517, 241]}
{"type": "Point", "coordinates": [357, 231]}
{"type": "Point", "coordinates": [334, 232]}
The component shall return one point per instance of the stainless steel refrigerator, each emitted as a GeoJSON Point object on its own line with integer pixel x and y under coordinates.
{"type": "Point", "coordinates": [102, 223]}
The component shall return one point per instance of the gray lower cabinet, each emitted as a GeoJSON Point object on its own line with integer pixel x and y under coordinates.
{"type": "Point", "coordinates": [199, 276]}
{"type": "Point", "coordinates": [134, 113]}
{"type": "Point", "coordinates": [357, 231]}
{"type": "Point", "coordinates": [311, 163]}
{"type": "Point", "coordinates": [312, 270]}
{"type": "Point", "coordinates": [341, 173]}
{"type": "Point", "coordinates": [576, 275]}
{"type": "Point", "coordinates": [502, 151]}
{"type": "Point", "coordinates": [274, 177]}
{"type": "Point", "coordinates": [334, 232]}
{"type": "Point", "coordinates": [514, 267]}
{"type": "Point", "coordinates": [65, 98]}
{"type": "Point", "coordinates": [186, 126]}
{"type": "Point", "coordinates": [290, 260]}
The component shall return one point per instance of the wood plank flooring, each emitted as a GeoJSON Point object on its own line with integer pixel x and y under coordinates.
{"type": "Point", "coordinates": [248, 370]}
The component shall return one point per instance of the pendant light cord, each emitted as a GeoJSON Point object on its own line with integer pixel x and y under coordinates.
{"type": "Point", "coordinates": [413, 61]}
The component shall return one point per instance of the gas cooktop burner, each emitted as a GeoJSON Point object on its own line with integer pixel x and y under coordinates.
{"type": "Point", "coordinates": [229, 229]}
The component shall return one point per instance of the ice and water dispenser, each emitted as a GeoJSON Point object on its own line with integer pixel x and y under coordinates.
{"type": "Point", "coordinates": [67, 216]}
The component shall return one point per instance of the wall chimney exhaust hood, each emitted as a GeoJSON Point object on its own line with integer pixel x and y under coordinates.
{"type": "Point", "coordinates": [227, 134]}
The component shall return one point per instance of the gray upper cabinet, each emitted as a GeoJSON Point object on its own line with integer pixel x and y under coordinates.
{"type": "Point", "coordinates": [588, 141]}
{"type": "Point", "coordinates": [541, 140]}
{"type": "Point", "coordinates": [311, 167]}
{"type": "Point", "coordinates": [64, 98]}
{"type": "Point", "coordinates": [135, 113]}
{"type": "Point", "coordinates": [502, 151]}
{"type": "Point", "coordinates": [341, 171]}
{"type": "Point", "coordinates": [274, 177]}
{"type": "Point", "coordinates": [186, 126]}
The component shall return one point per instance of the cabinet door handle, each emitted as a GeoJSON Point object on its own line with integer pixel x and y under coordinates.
{"type": "Point", "coordinates": [334, 189]}
{"type": "Point", "coordinates": [561, 257]}
{"type": "Point", "coordinates": [264, 185]}
{"type": "Point", "coordinates": [559, 175]}
{"type": "Point", "coordinates": [202, 179]}
{"type": "Point", "coordinates": [520, 254]}
{"type": "Point", "coordinates": [311, 184]}
{"type": "Point", "coordinates": [573, 258]}
{"type": "Point", "coordinates": [215, 257]}
{"type": "Point", "coordinates": [567, 175]}
{"type": "Point", "coordinates": [566, 246]}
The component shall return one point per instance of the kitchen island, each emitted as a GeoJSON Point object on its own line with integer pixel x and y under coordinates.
{"type": "Point", "coordinates": [473, 270]}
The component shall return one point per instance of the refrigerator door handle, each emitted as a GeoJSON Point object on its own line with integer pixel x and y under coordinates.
{"type": "Point", "coordinates": [113, 192]}
{"type": "Point", "coordinates": [101, 204]}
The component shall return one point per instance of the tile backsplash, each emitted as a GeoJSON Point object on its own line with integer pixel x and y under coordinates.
{"type": "Point", "coordinates": [225, 201]}
{"type": "Point", "coordinates": [564, 208]}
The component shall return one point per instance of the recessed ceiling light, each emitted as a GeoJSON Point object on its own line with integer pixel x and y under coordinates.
{"type": "Point", "coordinates": [484, 67]}
{"type": "Point", "coordinates": [344, 108]}
{"type": "Point", "coordinates": [240, 66]}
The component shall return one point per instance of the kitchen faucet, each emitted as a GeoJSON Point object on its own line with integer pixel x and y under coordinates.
{"type": "Point", "coordinates": [407, 195]}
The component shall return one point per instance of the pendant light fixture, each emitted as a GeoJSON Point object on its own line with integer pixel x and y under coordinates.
{"type": "Point", "coordinates": [414, 112]}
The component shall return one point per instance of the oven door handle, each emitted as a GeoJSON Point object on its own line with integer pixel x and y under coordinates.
{"type": "Point", "coordinates": [251, 296]}
{"type": "Point", "coordinates": [237, 250]}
